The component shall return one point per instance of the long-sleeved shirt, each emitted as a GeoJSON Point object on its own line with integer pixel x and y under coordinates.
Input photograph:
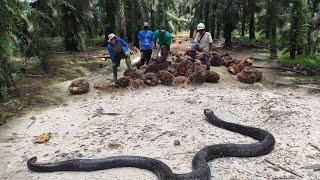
{"type": "Point", "coordinates": [122, 43]}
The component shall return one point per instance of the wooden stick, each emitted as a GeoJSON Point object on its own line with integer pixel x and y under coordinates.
{"type": "Point", "coordinates": [314, 146]}
{"type": "Point", "coordinates": [93, 57]}
{"type": "Point", "coordinates": [279, 68]}
{"type": "Point", "coordinates": [298, 86]}
{"type": "Point", "coordinates": [189, 152]}
{"type": "Point", "coordinates": [63, 52]}
{"type": "Point", "coordinates": [105, 114]}
{"type": "Point", "coordinates": [162, 134]}
{"type": "Point", "coordinates": [284, 169]}
{"type": "Point", "coordinates": [109, 114]}
{"type": "Point", "coordinates": [34, 75]}
{"type": "Point", "coordinates": [31, 124]}
{"type": "Point", "coordinates": [250, 44]}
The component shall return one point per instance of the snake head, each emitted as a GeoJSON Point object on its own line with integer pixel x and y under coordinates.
{"type": "Point", "coordinates": [208, 111]}
{"type": "Point", "coordinates": [32, 160]}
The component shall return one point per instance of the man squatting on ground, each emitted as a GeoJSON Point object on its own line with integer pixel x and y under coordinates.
{"type": "Point", "coordinates": [203, 43]}
{"type": "Point", "coordinates": [118, 49]}
{"type": "Point", "coordinates": [145, 39]}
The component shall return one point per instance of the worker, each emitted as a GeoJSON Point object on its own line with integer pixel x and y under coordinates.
{"type": "Point", "coordinates": [203, 43]}
{"type": "Point", "coordinates": [145, 40]}
{"type": "Point", "coordinates": [118, 49]}
{"type": "Point", "coordinates": [162, 41]}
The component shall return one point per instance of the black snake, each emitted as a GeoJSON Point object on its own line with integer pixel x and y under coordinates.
{"type": "Point", "coordinates": [201, 169]}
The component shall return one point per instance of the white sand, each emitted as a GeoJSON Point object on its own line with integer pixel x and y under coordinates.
{"type": "Point", "coordinates": [152, 119]}
{"type": "Point", "coordinates": [176, 114]}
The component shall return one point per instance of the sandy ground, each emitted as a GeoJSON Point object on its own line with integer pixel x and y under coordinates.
{"type": "Point", "coordinates": [150, 120]}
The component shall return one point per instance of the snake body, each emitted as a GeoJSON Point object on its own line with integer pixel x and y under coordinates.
{"type": "Point", "coordinates": [201, 169]}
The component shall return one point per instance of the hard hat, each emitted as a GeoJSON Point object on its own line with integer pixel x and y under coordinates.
{"type": "Point", "coordinates": [201, 26]}
{"type": "Point", "coordinates": [146, 24]}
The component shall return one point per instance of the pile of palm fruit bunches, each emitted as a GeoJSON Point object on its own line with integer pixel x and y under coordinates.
{"type": "Point", "coordinates": [183, 69]}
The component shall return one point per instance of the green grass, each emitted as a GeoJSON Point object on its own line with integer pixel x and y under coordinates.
{"type": "Point", "coordinates": [259, 37]}
{"type": "Point", "coordinates": [3, 117]}
{"type": "Point", "coordinates": [307, 61]}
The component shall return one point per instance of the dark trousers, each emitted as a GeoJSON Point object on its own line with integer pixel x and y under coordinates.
{"type": "Point", "coordinates": [205, 56]}
{"type": "Point", "coordinates": [117, 62]}
{"type": "Point", "coordinates": [145, 57]}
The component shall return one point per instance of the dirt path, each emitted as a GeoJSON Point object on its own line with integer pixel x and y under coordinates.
{"type": "Point", "coordinates": [150, 120]}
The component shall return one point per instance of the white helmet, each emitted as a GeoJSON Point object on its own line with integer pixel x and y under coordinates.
{"type": "Point", "coordinates": [201, 26]}
{"type": "Point", "coordinates": [146, 24]}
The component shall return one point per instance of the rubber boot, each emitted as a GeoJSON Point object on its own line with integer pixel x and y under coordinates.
{"type": "Point", "coordinates": [207, 62]}
{"type": "Point", "coordinates": [128, 62]}
{"type": "Point", "coordinates": [115, 74]}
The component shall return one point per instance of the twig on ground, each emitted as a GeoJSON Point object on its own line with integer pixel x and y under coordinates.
{"type": "Point", "coordinates": [280, 68]}
{"type": "Point", "coordinates": [110, 114]}
{"type": "Point", "coordinates": [105, 114]}
{"type": "Point", "coordinates": [33, 121]}
{"type": "Point", "coordinates": [93, 57]}
{"type": "Point", "coordinates": [63, 52]}
{"type": "Point", "coordinates": [296, 85]}
{"type": "Point", "coordinates": [183, 153]}
{"type": "Point", "coordinates": [35, 75]}
{"type": "Point", "coordinates": [314, 146]}
{"type": "Point", "coordinates": [162, 134]}
{"type": "Point", "coordinates": [284, 169]}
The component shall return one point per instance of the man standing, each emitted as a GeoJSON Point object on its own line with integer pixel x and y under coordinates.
{"type": "Point", "coordinates": [118, 49]}
{"type": "Point", "coordinates": [203, 43]}
{"type": "Point", "coordinates": [162, 41]}
{"type": "Point", "coordinates": [145, 39]}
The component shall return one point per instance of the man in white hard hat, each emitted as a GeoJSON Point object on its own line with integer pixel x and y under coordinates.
{"type": "Point", "coordinates": [203, 43]}
{"type": "Point", "coordinates": [118, 49]}
{"type": "Point", "coordinates": [145, 39]}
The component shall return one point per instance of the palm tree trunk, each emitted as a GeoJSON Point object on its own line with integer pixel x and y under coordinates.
{"type": "Point", "coordinates": [309, 48]}
{"type": "Point", "coordinates": [252, 34]}
{"type": "Point", "coordinates": [273, 45]}
{"type": "Point", "coordinates": [213, 26]}
{"type": "Point", "coordinates": [267, 32]}
{"type": "Point", "coordinates": [72, 38]}
{"type": "Point", "coordinates": [213, 20]}
{"type": "Point", "coordinates": [144, 10]}
{"type": "Point", "coordinates": [111, 7]}
{"type": "Point", "coordinates": [243, 18]}
{"type": "Point", "coordinates": [191, 29]}
{"type": "Point", "coordinates": [228, 35]}
{"type": "Point", "coordinates": [218, 30]}
{"type": "Point", "coordinates": [295, 29]}
{"type": "Point", "coordinates": [293, 45]}
{"type": "Point", "coordinates": [128, 19]}
{"type": "Point", "coordinates": [271, 26]}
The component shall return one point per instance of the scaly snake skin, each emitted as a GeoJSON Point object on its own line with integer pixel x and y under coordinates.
{"type": "Point", "coordinates": [201, 169]}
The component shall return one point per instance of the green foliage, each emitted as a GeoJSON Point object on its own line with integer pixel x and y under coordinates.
{"type": "Point", "coordinates": [12, 19]}
{"type": "Point", "coordinates": [3, 118]}
{"type": "Point", "coordinates": [307, 61]}
{"type": "Point", "coordinates": [73, 16]}
{"type": "Point", "coordinates": [297, 27]}
{"type": "Point", "coordinates": [259, 37]}
{"type": "Point", "coordinates": [40, 43]}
